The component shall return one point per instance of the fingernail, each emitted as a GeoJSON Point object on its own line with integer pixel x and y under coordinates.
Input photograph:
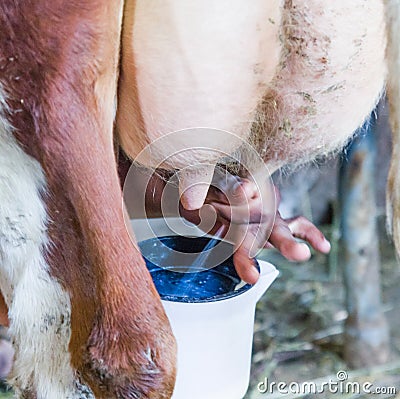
{"type": "Point", "coordinates": [326, 246]}
{"type": "Point", "coordinates": [305, 252]}
{"type": "Point", "coordinates": [254, 273]}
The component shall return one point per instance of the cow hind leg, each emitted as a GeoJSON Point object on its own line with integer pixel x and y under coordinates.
{"type": "Point", "coordinates": [39, 308]}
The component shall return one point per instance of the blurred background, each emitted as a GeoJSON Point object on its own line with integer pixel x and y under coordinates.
{"type": "Point", "coordinates": [342, 311]}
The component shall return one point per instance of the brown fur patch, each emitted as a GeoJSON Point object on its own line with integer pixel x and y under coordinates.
{"type": "Point", "coordinates": [58, 67]}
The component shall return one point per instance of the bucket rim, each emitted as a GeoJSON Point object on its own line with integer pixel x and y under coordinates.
{"type": "Point", "coordinates": [244, 287]}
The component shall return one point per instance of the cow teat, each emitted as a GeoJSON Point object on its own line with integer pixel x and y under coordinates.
{"type": "Point", "coordinates": [194, 183]}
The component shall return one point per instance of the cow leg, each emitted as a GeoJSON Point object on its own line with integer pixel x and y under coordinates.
{"type": "Point", "coordinates": [36, 301]}
{"type": "Point", "coordinates": [81, 303]}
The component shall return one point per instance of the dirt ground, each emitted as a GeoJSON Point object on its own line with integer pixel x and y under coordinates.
{"type": "Point", "coordinates": [299, 325]}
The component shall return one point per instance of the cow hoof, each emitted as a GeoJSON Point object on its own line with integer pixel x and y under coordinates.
{"type": "Point", "coordinates": [122, 365]}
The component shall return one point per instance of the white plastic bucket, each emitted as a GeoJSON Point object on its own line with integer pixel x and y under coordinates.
{"type": "Point", "coordinates": [215, 342]}
{"type": "Point", "coordinates": [214, 334]}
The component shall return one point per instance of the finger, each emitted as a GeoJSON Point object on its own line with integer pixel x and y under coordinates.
{"type": "Point", "coordinates": [282, 239]}
{"type": "Point", "coordinates": [244, 190]}
{"type": "Point", "coordinates": [233, 191]}
{"type": "Point", "coordinates": [191, 216]}
{"type": "Point", "coordinates": [249, 213]}
{"type": "Point", "coordinates": [245, 267]}
{"type": "Point", "coordinates": [217, 229]}
{"type": "Point", "coordinates": [242, 203]}
{"type": "Point", "coordinates": [307, 231]}
{"type": "Point", "coordinates": [268, 245]}
{"type": "Point", "coordinates": [254, 238]}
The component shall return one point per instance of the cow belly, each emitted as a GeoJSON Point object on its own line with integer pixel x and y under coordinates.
{"type": "Point", "coordinates": [39, 308]}
{"type": "Point", "coordinates": [331, 76]}
{"type": "Point", "coordinates": [191, 64]}
{"type": "Point", "coordinates": [179, 71]}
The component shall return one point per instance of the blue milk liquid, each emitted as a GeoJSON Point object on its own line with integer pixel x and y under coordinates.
{"type": "Point", "coordinates": [189, 286]}
{"type": "Point", "coordinates": [190, 281]}
{"type": "Point", "coordinates": [201, 284]}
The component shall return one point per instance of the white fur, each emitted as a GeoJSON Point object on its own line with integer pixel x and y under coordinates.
{"type": "Point", "coordinates": [39, 308]}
